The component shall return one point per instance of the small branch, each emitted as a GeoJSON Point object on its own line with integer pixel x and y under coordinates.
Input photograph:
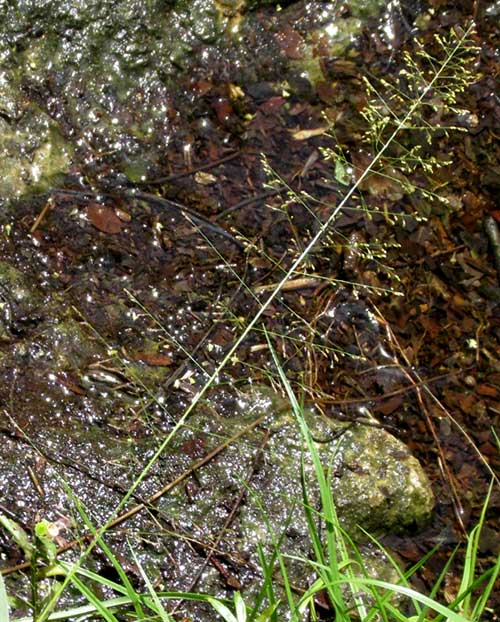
{"type": "Point", "coordinates": [191, 171]}
{"type": "Point", "coordinates": [48, 205]}
{"type": "Point", "coordinates": [250, 200]}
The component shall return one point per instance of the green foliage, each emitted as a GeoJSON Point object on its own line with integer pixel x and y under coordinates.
{"type": "Point", "coordinates": [18, 535]}
{"type": "Point", "coordinates": [4, 602]}
{"type": "Point", "coordinates": [435, 82]}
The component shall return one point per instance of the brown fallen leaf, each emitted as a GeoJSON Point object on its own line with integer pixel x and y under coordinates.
{"type": "Point", "coordinates": [487, 390]}
{"type": "Point", "coordinates": [104, 218]}
{"type": "Point", "coordinates": [305, 134]}
{"type": "Point", "coordinates": [154, 359]}
{"type": "Point", "coordinates": [291, 43]}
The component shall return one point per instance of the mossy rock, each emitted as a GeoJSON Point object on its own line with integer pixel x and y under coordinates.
{"type": "Point", "coordinates": [380, 485]}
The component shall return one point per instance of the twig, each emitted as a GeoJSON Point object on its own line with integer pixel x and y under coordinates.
{"type": "Point", "coordinates": [186, 211]}
{"type": "Point", "coordinates": [249, 201]}
{"type": "Point", "coordinates": [443, 465]}
{"type": "Point", "coordinates": [48, 205]}
{"type": "Point", "coordinates": [380, 398]}
{"type": "Point", "coordinates": [153, 199]}
{"type": "Point", "coordinates": [291, 285]}
{"type": "Point", "coordinates": [191, 171]}
{"type": "Point", "coordinates": [491, 228]}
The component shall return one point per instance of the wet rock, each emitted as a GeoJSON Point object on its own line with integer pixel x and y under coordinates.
{"type": "Point", "coordinates": [33, 152]}
{"type": "Point", "coordinates": [376, 483]}
{"type": "Point", "coordinates": [20, 303]}
{"type": "Point", "coordinates": [248, 496]}
{"type": "Point", "coordinates": [379, 485]}
{"type": "Point", "coordinates": [113, 77]}
{"type": "Point", "coordinates": [65, 345]}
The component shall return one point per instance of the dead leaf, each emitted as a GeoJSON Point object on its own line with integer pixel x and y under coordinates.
{"type": "Point", "coordinates": [291, 43]}
{"type": "Point", "coordinates": [104, 218]}
{"type": "Point", "coordinates": [205, 179]}
{"type": "Point", "coordinates": [487, 390]}
{"type": "Point", "coordinates": [154, 359]}
{"type": "Point", "coordinates": [305, 134]}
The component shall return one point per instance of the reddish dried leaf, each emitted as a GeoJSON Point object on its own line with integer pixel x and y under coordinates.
{"type": "Point", "coordinates": [223, 109]}
{"type": "Point", "coordinates": [290, 42]}
{"type": "Point", "coordinates": [104, 218]}
{"type": "Point", "coordinates": [466, 402]}
{"type": "Point", "coordinates": [154, 359]}
{"type": "Point", "coordinates": [272, 104]}
{"type": "Point", "coordinates": [487, 390]}
{"type": "Point", "coordinates": [487, 449]}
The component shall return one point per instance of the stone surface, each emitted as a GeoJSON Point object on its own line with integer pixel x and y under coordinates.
{"type": "Point", "coordinates": [380, 485]}
{"type": "Point", "coordinates": [102, 80]}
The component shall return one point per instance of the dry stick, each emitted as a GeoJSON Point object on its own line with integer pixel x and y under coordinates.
{"type": "Point", "coordinates": [491, 229]}
{"type": "Point", "coordinates": [291, 285]}
{"type": "Point", "coordinates": [253, 322]}
{"type": "Point", "coordinates": [48, 205]}
{"type": "Point", "coordinates": [153, 199]}
{"type": "Point", "coordinates": [150, 500]}
{"type": "Point", "coordinates": [379, 398]}
{"type": "Point", "coordinates": [189, 213]}
{"type": "Point", "coordinates": [192, 171]}
{"type": "Point", "coordinates": [250, 200]}
{"type": "Point", "coordinates": [443, 465]}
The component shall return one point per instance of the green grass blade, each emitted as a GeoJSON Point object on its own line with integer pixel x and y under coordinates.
{"type": "Point", "coordinates": [82, 611]}
{"type": "Point", "coordinates": [337, 550]}
{"type": "Point", "coordinates": [452, 616]}
{"type": "Point", "coordinates": [128, 587]}
{"type": "Point", "coordinates": [158, 607]}
{"type": "Point", "coordinates": [471, 557]}
{"type": "Point", "coordinates": [94, 576]}
{"type": "Point", "coordinates": [222, 610]}
{"type": "Point", "coordinates": [268, 567]}
{"type": "Point", "coordinates": [18, 534]}
{"type": "Point", "coordinates": [94, 600]}
{"type": "Point", "coordinates": [4, 603]}
{"type": "Point", "coordinates": [268, 585]}
{"type": "Point", "coordinates": [482, 601]}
